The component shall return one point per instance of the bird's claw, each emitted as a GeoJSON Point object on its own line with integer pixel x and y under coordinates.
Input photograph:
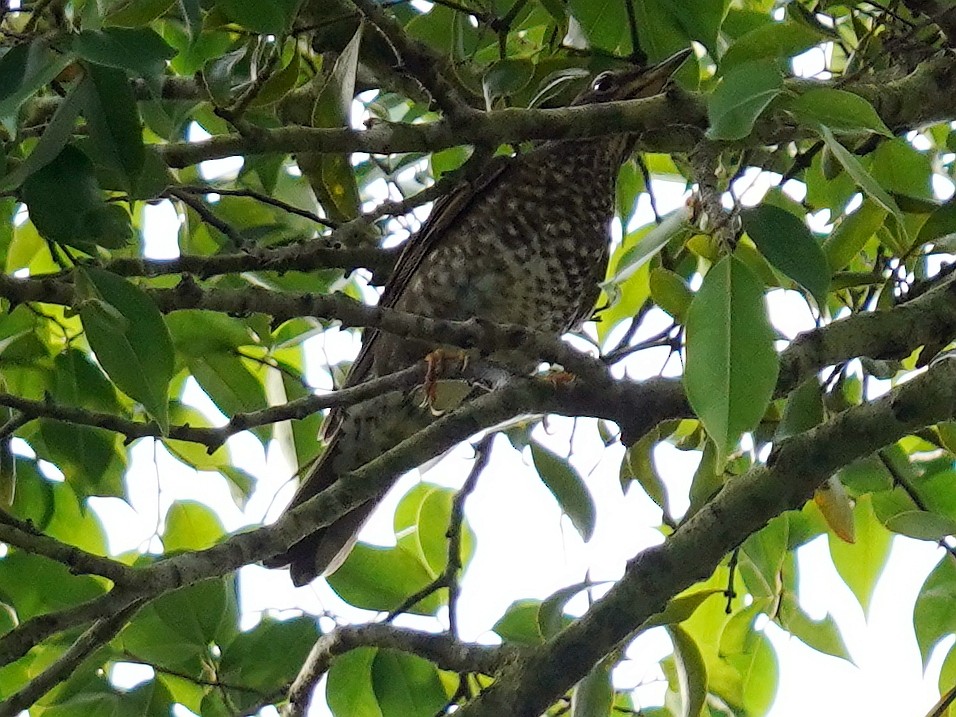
{"type": "Point", "coordinates": [435, 368]}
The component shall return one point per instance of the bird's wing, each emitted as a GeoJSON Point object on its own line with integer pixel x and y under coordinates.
{"type": "Point", "coordinates": [445, 213]}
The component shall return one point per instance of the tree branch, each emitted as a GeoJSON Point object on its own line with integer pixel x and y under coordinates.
{"type": "Point", "coordinates": [918, 99]}
{"type": "Point", "coordinates": [307, 256]}
{"type": "Point", "coordinates": [795, 468]}
{"type": "Point", "coordinates": [431, 69]}
{"type": "Point", "coordinates": [101, 632]}
{"type": "Point", "coordinates": [213, 438]}
{"type": "Point", "coordinates": [444, 650]}
{"type": "Point", "coordinates": [24, 536]}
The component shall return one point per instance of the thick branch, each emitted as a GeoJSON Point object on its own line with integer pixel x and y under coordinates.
{"type": "Point", "coordinates": [443, 650]}
{"type": "Point", "coordinates": [796, 467]}
{"type": "Point", "coordinates": [214, 437]}
{"type": "Point", "coordinates": [482, 336]}
{"type": "Point", "coordinates": [913, 101]}
{"type": "Point", "coordinates": [942, 13]}
{"type": "Point", "coordinates": [24, 536]}
{"type": "Point", "coordinates": [886, 334]}
{"type": "Point", "coordinates": [355, 488]}
{"type": "Point", "coordinates": [102, 631]}
{"type": "Point", "coordinates": [431, 69]}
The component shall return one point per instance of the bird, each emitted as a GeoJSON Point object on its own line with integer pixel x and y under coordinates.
{"type": "Point", "coordinates": [527, 242]}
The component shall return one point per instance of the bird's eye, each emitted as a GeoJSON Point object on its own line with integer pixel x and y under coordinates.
{"type": "Point", "coordinates": [603, 82]}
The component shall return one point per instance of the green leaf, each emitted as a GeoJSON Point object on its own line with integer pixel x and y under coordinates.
{"type": "Point", "coordinates": [707, 480]}
{"type": "Point", "coordinates": [922, 525]}
{"type": "Point", "coordinates": [603, 22]}
{"type": "Point", "coordinates": [853, 232]}
{"type": "Point", "coordinates": [641, 467]}
{"type": "Point", "coordinates": [231, 385]}
{"type": "Point", "coordinates": [406, 685]}
{"type": "Point", "coordinates": [116, 134]}
{"type": "Point", "coordinates": [860, 564]}
{"type": "Point", "coordinates": [764, 557]}
{"type": "Point", "coordinates": [197, 332]}
{"type": "Point", "coordinates": [699, 20]}
{"type": "Point", "coordinates": [135, 13]}
{"type": "Point", "coordinates": [940, 228]}
{"type": "Point", "coordinates": [269, 18]}
{"type": "Point", "coordinates": [772, 40]}
{"type": "Point", "coordinates": [742, 95]}
{"type": "Point", "coordinates": [691, 672]}
{"type": "Point", "coordinates": [66, 205]}
{"type": "Point", "coordinates": [267, 657]}
{"type": "Point", "coordinates": [334, 180]}
{"type": "Point", "coordinates": [51, 585]}
{"type": "Point", "coordinates": [863, 178]}
{"type": "Point", "coordinates": [177, 630]}
{"type": "Point", "coordinates": [140, 50]}
{"type": "Point", "coordinates": [93, 460]}
{"type": "Point", "coordinates": [349, 690]}
{"type": "Point", "coordinates": [24, 69]}
{"type": "Point", "coordinates": [934, 614]}
{"type": "Point", "coordinates": [51, 142]}
{"type": "Point", "coordinates": [376, 578]}
{"type": "Point", "coordinates": [751, 655]}
{"type": "Point", "coordinates": [731, 362]}
{"type": "Point", "coordinates": [839, 110]}
{"type": "Point", "coordinates": [803, 411]}
{"type": "Point", "coordinates": [640, 246]}
{"type": "Point", "coordinates": [594, 695]}
{"type": "Point", "coordinates": [279, 84]}
{"type": "Point", "coordinates": [422, 519]}
{"type": "Point", "coordinates": [551, 616]}
{"type": "Point", "coordinates": [900, 168]}
{"type": "Point", "coordinates": [192, 454]}
{"type": "Point", "coordinates": [135, 349]}
{"type": "Point", "coordinates": [664, 27]}
{"type": "Point", "coordinates": [191, 526]}
{"type": "Point", "coordinates": [670, 292]}
{"type": "Point", "coordinates": [822, 635]}
{"type": "Point", "coordinates": [506, 77]}
{"type": "Point", "coordinates": [520, 623]}
{"type": "Point", "coordinates": [789, 246]}
{"type": "Point", "coordinates": [567, 487]}
{"type": "Point", "coordinates": [681, 608]}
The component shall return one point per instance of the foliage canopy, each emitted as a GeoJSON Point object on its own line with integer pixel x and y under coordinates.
{"type": "Point", "coordinates": [111, 106]}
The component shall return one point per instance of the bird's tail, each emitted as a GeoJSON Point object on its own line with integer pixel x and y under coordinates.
{"type": "Point", "coordinates": [324, 550]}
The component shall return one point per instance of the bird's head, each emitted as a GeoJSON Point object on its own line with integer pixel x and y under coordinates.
{"type": "Point", "coordinates": [633, 82]}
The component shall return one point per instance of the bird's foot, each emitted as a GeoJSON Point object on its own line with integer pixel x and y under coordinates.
{"type": "Point", "coordinates": [437, 365]}
{"type": "Point", "coordinates": [559, 378]}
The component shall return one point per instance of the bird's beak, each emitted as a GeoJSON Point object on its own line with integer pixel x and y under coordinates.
{"type": "Point", "coordinates": [650, 81]}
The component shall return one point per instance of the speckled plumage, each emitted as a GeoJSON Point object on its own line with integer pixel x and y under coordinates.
{"type": "Point", "coordinates": [527, 243]}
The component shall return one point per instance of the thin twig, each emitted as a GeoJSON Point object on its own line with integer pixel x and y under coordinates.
{"type": "Point", "coordinates": [449, 576]}
{"type": "Point", "coordinates": [101, 632]}
{"type": "Point", "coordinates": [213, 438]}
{"type": "Point", "coordinates": [26, 537]}
{"type": "Point", "coordinates": [259, 197]}
{"type": "Point", "coordinates": [208, 216]}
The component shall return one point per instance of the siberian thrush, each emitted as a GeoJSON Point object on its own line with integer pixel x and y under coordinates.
{"type": "Point", "coordinates": [526, 243]}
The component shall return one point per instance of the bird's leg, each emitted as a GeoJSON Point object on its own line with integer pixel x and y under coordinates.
{"type": "Point", "coordinates": [435, 367]}
{"type": "Point", "coordinates": [559, 377]}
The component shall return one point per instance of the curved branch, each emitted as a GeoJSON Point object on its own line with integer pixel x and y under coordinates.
{"type": "Point", "coordinates": [101, 632]}
{"type": "Point", "coordinates": [796, 467]}
{"type": "Point", "coordinates": [921, 98]}
{"type": "Point", "coordinates": [431, 69]}
{"type": "Point", "coordinates": [444, 650]}
{"type": "Point", "coordinates": [214, 437]}
{"type": "Point", "coordinates": [307, 256]}
{"type": "Point", "coordinates": [27, 538]}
